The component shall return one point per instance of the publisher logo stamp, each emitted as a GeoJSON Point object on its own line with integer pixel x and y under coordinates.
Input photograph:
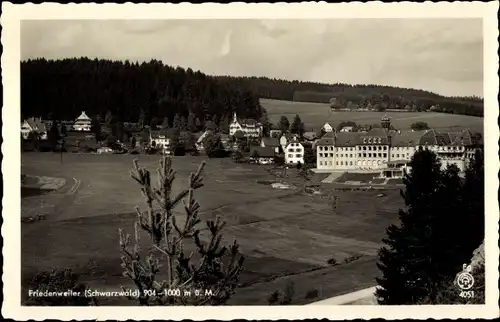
{"type": "Point", "coordinates": [465, 280]}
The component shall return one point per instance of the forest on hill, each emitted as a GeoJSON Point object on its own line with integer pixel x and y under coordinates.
{"type": "Point", "coordinates": [62, 89]}
{"type": "Point", "coordinates": [358, 96]}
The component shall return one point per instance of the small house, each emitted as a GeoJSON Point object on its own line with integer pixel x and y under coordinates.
{"type": "Point", "coordinates": [82, 123]}
{"type": "Point", "coordinates": [327, 127]}
{"type": "Point", "coordinates": [104, 149]}
{"type": "Point", "coordinates": [160, 141]}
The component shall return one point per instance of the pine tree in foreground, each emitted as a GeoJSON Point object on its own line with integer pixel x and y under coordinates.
{"type": "Point", "coordinates": [216, 268]}
{"type": "Point", "coordinates": [408, 261]}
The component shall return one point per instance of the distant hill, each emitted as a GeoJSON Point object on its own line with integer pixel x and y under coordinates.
{"type": "Point", "coordinates": [374, 97]}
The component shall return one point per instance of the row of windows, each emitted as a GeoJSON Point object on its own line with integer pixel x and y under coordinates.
{"type": "Point", "coordinates": [295, 150]}
{"type": "Point", "coordinates": [296, 156]}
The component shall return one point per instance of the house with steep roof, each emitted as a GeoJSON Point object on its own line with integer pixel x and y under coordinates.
{"type": "Point", "coordinates": [294, 151]}
{"type": "Point", "coordinates": [35, 126]}
{"type": "Point", "coordinates": [327, 127]}
{"type": "Point", "coordinates": [250, 127]}
{"type": "Point", "coordinates": [82, 123]}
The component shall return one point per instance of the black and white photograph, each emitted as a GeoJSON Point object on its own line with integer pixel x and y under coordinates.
{"type": "Point", "coordinates": [253, 161]}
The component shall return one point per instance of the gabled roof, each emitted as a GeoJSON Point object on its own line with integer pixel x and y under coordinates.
{"type": "Point", "coordinates": [264, 152]}
{"type": "Point", "coordinates": [83, 116]}
{"type": "Point", "coordinates": [406, 139]}
{"type": "Point", "coordinates": [272, 142]}
{"type": "Point", "coordinates": [347, 139]}
{"type": "Point", "coordinates": [327, 139]}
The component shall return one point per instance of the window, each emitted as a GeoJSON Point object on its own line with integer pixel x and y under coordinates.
{"type": "Point", "coordinates": [336, 155]}
{"type": "Point", "coordinates": [350, 155]}
{"type": "Point", "coordinates": [341, 162]}
{"type": "Point", "coordinates": [392, 155]}
{"type": "Point", "coordinates": [350, 162]}
{"type": "Point", "coordinates": [320, 162]}
{"type": "Point", "coordinates": [397, 155]}
{"type": "Point", "coordinates": [385, 155]}
{"type": "Point", "coordinates": [359, 155]}
{"type": "Point", "coordinates": [342, 155]}
{"type": "Point", "coordinates": [369, 148]}
{"type": "Point", "coordinates": [337, 163]}
{"type": "Point", "coordinates": [331, 155]}
{"type": "Point", "coordinates": [330, 162]}
{"type": "Point", "coordinates": [290, 155]}
{"type": "Point", "coordinates": [385, 147]}
{"type": "Point", "coordinates": [364, 148]}
{"type": "Point", "coordinates": [364, 155]}
{"type": "Point", "coordinates": [298, 155]}
{"type": "Point", "coordinates": [380, 155]}
{"type": "Point", "coordinates": [370, 140]}
{"type": "Point", "coordinates": [321, 155]}
{"type": "Point", "coordinates": [321, 148]}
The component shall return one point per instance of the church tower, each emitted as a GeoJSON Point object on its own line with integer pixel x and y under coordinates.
{"type": "Point", "coordinates": [386, 122]}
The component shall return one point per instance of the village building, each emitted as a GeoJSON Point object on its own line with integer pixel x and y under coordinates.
{"type": "Point", "coordinates": [294, 152]}
{"type": "Point", "coordinates": [262, 155]}
{"type": "Point", "coordinates": [389, 151]}
{"type": "Point", "coordinates": [160, 141]}
{"type": "Point", "coordinates": [250, 127]}
{"type": "Point", "coordinates": [327, 127]}
{"type": "Point", "coordinates": [285, 138]}
{"type": "Point", "coordinates": [33, 126]}
{"type": "Point", "coordinates": [273, 143]}
{"type": "Point", "coordinates": [82, 123]}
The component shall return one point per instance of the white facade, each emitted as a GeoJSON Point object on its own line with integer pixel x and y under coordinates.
{"type": "Point", "coordinates": [294, 152]}
{"type": "Point", "coordinates": [249, 128]}
{"type": "Point", "coordinates": [327, 127]}
{"type": "Point", "coordinates": [160, 141]}
{"type": "Point", "coordinates": [377, 155]}
{"type": "Point", "coordinates": [82, 123]}
{"type": "Point", "coordinates": [26, 129]}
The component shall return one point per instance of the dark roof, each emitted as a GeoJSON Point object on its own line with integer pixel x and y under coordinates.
{"type": "Point", "coordinates": [264, 152]}
{"type": "Point", "coordinates": [407, 138]}
{"type": "Point", "coordinates": [310, 135]}
{"type": "Point", "coordinates": [347, 139]}
{"type": "Point", "coordinates": [272, 142]}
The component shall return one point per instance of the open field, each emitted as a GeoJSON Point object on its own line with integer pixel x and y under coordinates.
{"type": "Point", "coordinates": [314, 115]}
{"type": "Point", "coordinates": [283, 234]}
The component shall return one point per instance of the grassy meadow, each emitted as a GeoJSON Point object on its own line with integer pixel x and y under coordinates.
{"type": "Point", "coordinates": [284, 235]}
{"type": "Point", "coordinates": [314, 115]}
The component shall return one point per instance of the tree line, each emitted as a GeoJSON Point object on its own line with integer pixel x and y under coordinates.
{"type": "Point", "coordinates": [359, 96]}
{"type": "Point", "coordinates": [130, 91]}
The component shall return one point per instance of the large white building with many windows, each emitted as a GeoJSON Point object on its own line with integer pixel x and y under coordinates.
{"type": "Point", "coordinates": [249, 127]}
{"type": "Point", "coordinates": [380, 148]}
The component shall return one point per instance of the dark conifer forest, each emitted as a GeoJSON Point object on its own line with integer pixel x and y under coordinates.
{"type": "Point", "coordinates": [61, 89]}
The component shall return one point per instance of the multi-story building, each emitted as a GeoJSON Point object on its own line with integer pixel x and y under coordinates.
{"type": "Point", "coordinates": [249, 127]}
{"type": "Point", "coordinates": [294, 152]}
{"type": "Point", "coordinates": [82, 123]}
{"type": "Point", "coordinates": [379, 149]}
{"type": "Point", "coordinates": [160, 140]}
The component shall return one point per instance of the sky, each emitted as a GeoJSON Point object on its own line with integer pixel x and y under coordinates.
{"type": "Point", "coordinates": [444, 56]}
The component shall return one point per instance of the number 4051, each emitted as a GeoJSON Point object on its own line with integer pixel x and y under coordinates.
{"type": "Point", "coordinates": [467, 294]}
